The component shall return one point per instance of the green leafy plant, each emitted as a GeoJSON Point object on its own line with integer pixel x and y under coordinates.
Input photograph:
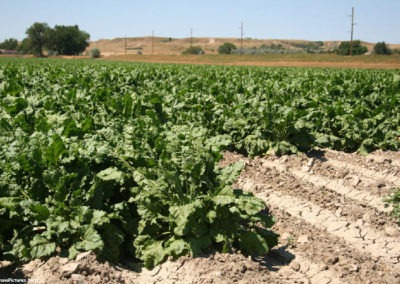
{"type": "Point", "coordinates": [394, 198]}
{"type": "Point", "coordinates": [122, 158]}
{"type": "Point", "coordinates": [187, 205]}
{"type": "Point", "coordinates": [105, 169]}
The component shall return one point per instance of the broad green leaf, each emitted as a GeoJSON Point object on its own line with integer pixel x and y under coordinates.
{"type": "Point", "coordinates": [253, 244]}
{"type": "Point", "coordinates": [366, 146]}
{"type": "Point", "coordinates": [99, 218]}
{"type": "Point", "coordinates": [186, 217]}
{"type": "Point", "coordinates": [176, 247]}
{"type": "Point", "coordinates": [151, 252]}
{"type": "Point", "coordinates": [230, 173]}
{"type": "Point", "coordinates": [113, 238]}
{"type": "Point", "coordinates": [284, 147]}
{"type": "Point", "coordinates": [9, 202]}
{"type": "Point", "coordinates": [41, 212]}
{"type": "Point", "coordinates": [55, 150]}
{"type": "Point", "coordinates": [251, 206]}
{"type": "Point", "coordinates": [110, 174]}
{"type": "Point", "coordinates": [326, 140]}
{"type": "Point", "coordinates": [223, 200]}
{"type": "Point", "coordinates": [41, 247]}
{"type": "Point", "coordinates": [198, 245]}
{"type": "Point", "coordinates": [91, 241]}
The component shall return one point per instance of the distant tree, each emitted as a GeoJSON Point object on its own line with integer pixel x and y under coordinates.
{"type": "Point", "coordinates": [382, 49]}
{"type": "Point", "coordinates": [193, 50]}
{"type": "Point", "coordinates": [25, 47]}
{"type": "Point", "coordinates": [95, 53]}
{"type": "Point", "coordinates": [38, 34]}
{"type": "Point", "coordinates": [67, 40]}
{"type": "Point", "coordinates": [226, 48]}
{"type": "Point", "coordinates": [357, 48]}
{"type": "Point", "coordinates": [9, 44]}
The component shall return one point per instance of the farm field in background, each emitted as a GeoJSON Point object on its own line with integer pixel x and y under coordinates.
{"type": "Point", "coordinates": [270, 60]}
{"type": "Point", "coordinates": [139, 161]}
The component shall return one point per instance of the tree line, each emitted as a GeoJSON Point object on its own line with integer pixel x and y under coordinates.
{"type": "Point", "coordinates": [60, 40]}
{"type": "Point", "coordinates": [357, 48]}
{"type": "Point", "coordinates": [344, 48]}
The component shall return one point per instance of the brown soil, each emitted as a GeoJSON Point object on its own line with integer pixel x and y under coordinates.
{"type": "Point", "coordinates": [330, 213]}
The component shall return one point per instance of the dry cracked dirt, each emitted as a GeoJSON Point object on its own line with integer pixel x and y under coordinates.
{"type": "Point", "coordinates": [330, 212]}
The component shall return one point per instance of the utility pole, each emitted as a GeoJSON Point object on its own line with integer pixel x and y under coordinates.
{"type": "Point", "coordinates": [241, 38]}
{"type": "Point", "coordinates": [352, 31]}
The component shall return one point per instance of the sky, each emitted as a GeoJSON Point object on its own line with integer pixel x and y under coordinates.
{"type": "Point", "coordinates": [375, 20]}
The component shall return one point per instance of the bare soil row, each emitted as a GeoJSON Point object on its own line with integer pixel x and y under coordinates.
{"type": "Point", "coordinates": [331, 212]}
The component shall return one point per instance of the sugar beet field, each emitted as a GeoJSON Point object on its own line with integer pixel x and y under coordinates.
{"type": "Point", "coordinates": [150, 173]}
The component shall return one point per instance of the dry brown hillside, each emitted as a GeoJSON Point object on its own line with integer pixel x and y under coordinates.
{"type": "Point", "coordinates": [169, 50]}
{"type": "Point", "coordinates": [164, 45]}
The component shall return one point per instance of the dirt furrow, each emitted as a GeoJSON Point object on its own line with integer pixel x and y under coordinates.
{"type": "Point", "coordinates": [373, 176]}
{"type": "Point", "coordinates": [328, 199]}
{"type": "Point", "coordinates": [322, 223]}
{"type": "Point", "coordinates": [358, 235]}
{"type": "Point", "coordinates": [379, 163]}
{"type": "Point", "coordinates": [331, 256]}
{"type": "Point", "coordinates": [386, 157]}
{"type": "Point", "coordinates": [303, 270]}
{"type": "Point", "coordinates": [334, 185]}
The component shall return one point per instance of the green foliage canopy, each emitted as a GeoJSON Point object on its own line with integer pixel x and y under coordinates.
{"type": "Point", "coordinates": [123, 159]}
{"type": "Point", "coordinates": [95, 53]}
{"type": "Point", "coordinates": [9, 44]}
{"type": "Point", "coordinates": [197, 50]}
{"type": "Point", "coordinates": [38, 34]}
{"type": "Point", "coordinates": [226, 48]}
{"type": "Point", "coordinates": [67, 40]}
{"type": "Point", "coordinates": [357, 48]}
{"type": "Point", "coordinates": [381, 48]}
{"type": "Point", "coordinates": [97, 157]}
{"type": "Point", "coordinates": [25, 47]}
{"type": "Point", "coordinates": [63, 40]}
